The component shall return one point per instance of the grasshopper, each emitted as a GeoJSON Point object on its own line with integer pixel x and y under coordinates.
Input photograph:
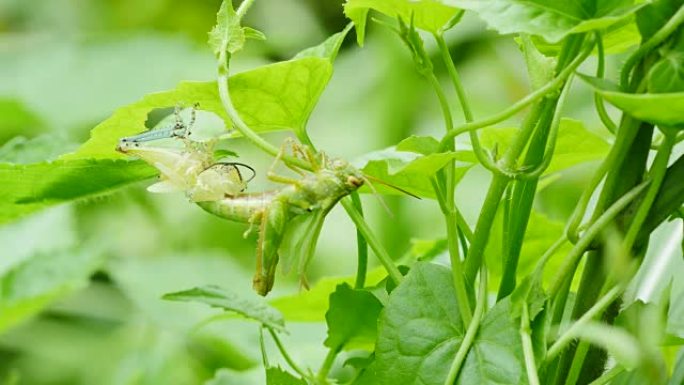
{"type": "Point", "coordinates": [192, 169]}
{"type": "Point", "coordinates": [275, 211]}
{"type": "Point", "coordinates": [219, 189]}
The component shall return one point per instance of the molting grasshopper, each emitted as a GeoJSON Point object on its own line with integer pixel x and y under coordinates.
{"type": "Point", "coordinates": [218, 189]}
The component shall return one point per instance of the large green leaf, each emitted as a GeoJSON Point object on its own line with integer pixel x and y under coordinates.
{"type": "Point", "coordinates": [30, 286]}
{"type": "Point", "coordinates": [274, 97]}
{"type": "Point", "coordinates": [252, 307]}
{"type": "Point", "coordinates": [429, 15]}
{"type": "Point", "coordinates": [661, 108]}
{"type": "Point", "coordinates": [27, 188]}
{"type": "Point", "coordinates": [420, 331]}
{"type": "Point", "coordinates": [550, 19]}
{"type": "Point", "coordinates": [352, 318]}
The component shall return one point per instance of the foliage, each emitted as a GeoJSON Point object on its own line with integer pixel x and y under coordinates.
{"type": "Point", "coordinates": [544, 249]}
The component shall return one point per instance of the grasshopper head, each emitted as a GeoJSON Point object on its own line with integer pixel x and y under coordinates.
{"type": "Point", "coordinates": [349, 175]}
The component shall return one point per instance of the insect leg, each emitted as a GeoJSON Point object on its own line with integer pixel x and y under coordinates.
{"type": "Point", "coordinates": [271, 233]}
{"type": "Point", "coordinates": [272, 175]}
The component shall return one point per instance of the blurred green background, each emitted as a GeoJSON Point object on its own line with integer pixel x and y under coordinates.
{"type": "Point", "coordinates": [66, 65]}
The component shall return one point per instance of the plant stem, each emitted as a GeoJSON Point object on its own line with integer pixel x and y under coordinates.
{"type": "Point", "coordinates": [569, 334]}
{"type": "Point", "coordinates": [521, 104]}
{"type": "Point", "coordinates": [285, 354]}
{"type": "Point", "coordinates": [327, 365]}
{"type": "Point", "coordinates": [372, 240]}
{"type": "Point", "coordinates": [598, 100]}
{"type": "Point", "coordinates": [528, 350]}
{"type": "Point", "coordinates": [449, 212]}
{"type": "Point", "coordinates": [470, 332]}
{"type": "Point", "coordinates": [566, 271]}
{"type": "Point", "coordinates": [361, 247]}
{"type": "Point", "coordinates": [656, 175]}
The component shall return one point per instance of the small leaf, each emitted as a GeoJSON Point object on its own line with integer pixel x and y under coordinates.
{"type": "Point", "coordinates": [412, 173]}
{"type": "Point", "coordinates": [251, 307]}
{"type": "Point", "coordinates": [552, 20]}
{"type": "Point", "coordinates": [540, 69]}
{"type": "Point", "coordinates": [352, 318]}
{"type": "Point", "coordinates": [227, 33]}
{"type": "Point", "coordinates": [311, 305]}
{"type": "Point", "coordinates": [424, 145]}
{"type": "Point", "coordinates": [429, 15]}
{"type": "Point", "coordinates": [667, 75]}
{"type": "Point", "coordinates": [661, 109]}
{"type": "Point", "coordinates": [277, 376]}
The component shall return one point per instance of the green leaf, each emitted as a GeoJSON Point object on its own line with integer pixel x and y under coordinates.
{"type": "Point", "coordinates": [227, 34]}
{"type": "Point", "coordinates": [277, 376]}
{"type": "Point", "coordinates": [409, 172]}
{"type": "Point", "coordinates": [250, 306]}
{"type": "Point", "coordinates": [675, 313]}
{"type": "Point", "coordinates": [30, 286]}
{"type": "Point", "coordinates": [661, 109]}
{"type": "Point", "coordinates": [352, 318]}
{"type": "Point", "coordinates": [278, 96]}
{"type": "Point", "coordinates": [429, 15]}
{"type": "Point", "coordinates": [424, 145]}
{"type": "Point", "coordinates": [420, 331]}
{"type": "Point", "coordinates": [496, 356]}
{"type": "Point", "coordinates": [328, 49]}
{"type": "Point", "coordinates": [667, 75]}
{"type": "Point", "coordinates": [27, 188]}
{"type": "Point", "coordinates": [574, 145]}
{"type": "Point", "coordinates": [540, 69]}
{"type": "Point", "coordinates": [552, 20]}
{"type": "Point", "coordinates": [311, 305]}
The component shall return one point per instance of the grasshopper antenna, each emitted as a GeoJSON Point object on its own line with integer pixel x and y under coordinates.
{"type": "Point", "coordinates": [369, 178]}
{"type": "Point", "coordinates": [378, 196]}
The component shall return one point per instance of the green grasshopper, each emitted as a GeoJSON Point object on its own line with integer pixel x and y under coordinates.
{"type": "Point", "coordinates": [275, 212]}
{"type": "Point", "coordinates": [218, 189]}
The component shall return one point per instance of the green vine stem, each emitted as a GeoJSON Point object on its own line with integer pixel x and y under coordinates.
{"type": "Point", "coordinates": [471, 332]}
{"type": "Point", "coordinates": [372, 240]}
{"type": "Point", "coordinates": [656, 174]}
{"type": "Point", "coordinates": [285, 354]}
{"type": "Point", "coordinates": [518, 106]}
{"type": "Point", "coordinates": [608, 376]}
{"type": "Point", "coordinates": [528, 350]}
{"type": "Point", "coordinates": [327, 365]}
{"type": "Point", "coordinates": [448, 203]}
{"type": "Point", "coordinates": [570, 333]}
{"type": "Point", "coordinates": [649, 45]}
{"type": "Point", "coordinates": [598, 100]}
{"type": "Point", "coordinates": [361, 247]}
{"type": "Point", "coordinates": [567, 269]}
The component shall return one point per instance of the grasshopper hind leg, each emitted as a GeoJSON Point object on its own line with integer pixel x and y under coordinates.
{"type": "Point", "coordinates": [271, 231]}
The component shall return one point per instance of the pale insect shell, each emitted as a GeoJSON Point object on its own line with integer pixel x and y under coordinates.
{"type": "Point", "coordinates": [190, 172]}
{"type": "Point", "coordinates": [216, 183]}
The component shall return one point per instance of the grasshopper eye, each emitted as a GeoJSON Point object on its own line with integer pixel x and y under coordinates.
{"type": "Point", "coordinates": [354, 181]}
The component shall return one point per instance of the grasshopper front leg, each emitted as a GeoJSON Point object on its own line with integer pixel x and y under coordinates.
{"type": "Point", "coordinates": [271, 230]}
